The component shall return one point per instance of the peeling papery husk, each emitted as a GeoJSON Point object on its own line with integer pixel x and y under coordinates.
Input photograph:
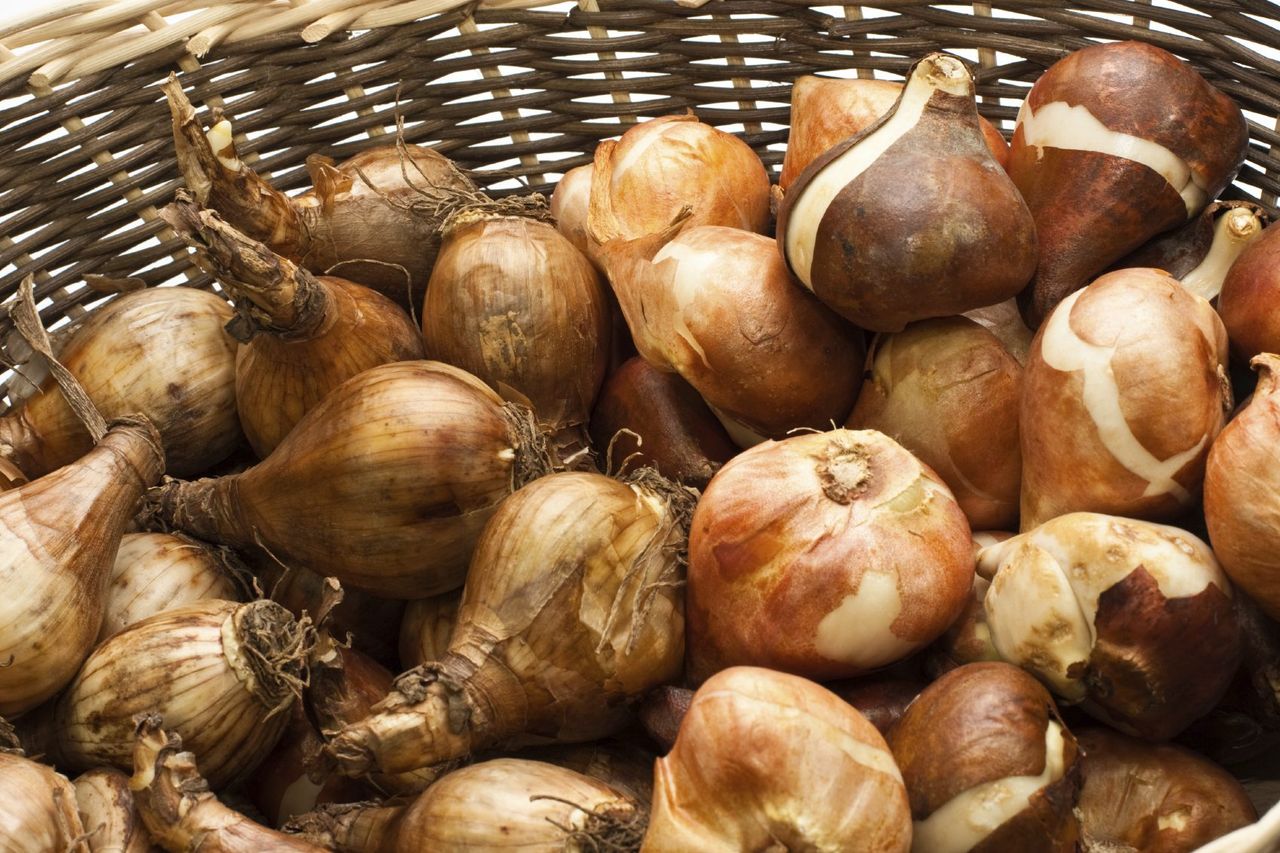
{"type": "Point", "coordinates": [181, 812]}
{"type": "Point", "coordinates": [39, 808]}
{"type": "Point", "coordinates": [793, 364]}
{"type": "Point", "coordinates": [366, 827]}
{"type": "Point", "coordinates": [1142, 796]}
{"type": "Point", "coordinates": [766, 760]}
{"type": "Point", "coordinates": [988, 763]}
{"type": "Point", "coordinates": [1124, 391]}
{"type": "Point", "coordinates": [1130, 619]}
{"type": "Point", "coordinates": [1242, 492]}
{"type": "Point", "coordinates": [252, 658]}
{"type": "Point", "coordinates": [109, 814]}
{"type": "Point", "coordinates": [394, 510]}
{"type": "Point", "coordinates": [572, 608]}
{"type": "Point", "coordinates": [375, 216]}
{"type": "Point", "coordinates": [641, 183]}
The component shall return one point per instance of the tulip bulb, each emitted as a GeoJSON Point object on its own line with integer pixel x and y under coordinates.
{"type": "Point", "coordinates": [1249, 295]}
{"type": "Point", "coordinates": [988, 764]}
{"type": "Point", "coordinates": [1124, 391]}
{"type": "Point", "coordinates": [1115, 144]}
{"type": "Point", "coordinates": [766, 760]}
{"type": "Point", "coordinates": [1200, 253]}
{"type": "Point", "coordinates": [1242, 492]}
{"type": "Point", "coordinates": [301, 335]}
{"type": "Point", "coordinates": [373, 219]}
{"type": "Point", "coordinates": [154, 572]}
{"type": "Point", "coordinates": [39, 811]}
{"type": "Point", "coordinates": [646, 416]}
{"type": "Point", "coordinates": [790, 363]}
{"type": "Point", "coordinates": [1005, 322]}
{"type": "Point", "coordinates": [180, 811]}
{"type": "Point", "coordinates": [160, 352]}
{"type": "Point", "coordinates": [826, 111]}
{"type": "Point", "coordinates": [570, 610]}
{"type": "Point", "coordinates": [515, 304]}
{"type": "Point", "coordinates": [384, 485]}
{"type": "Point", "coordinates": [570, 204]}
{"type": "Point", "coordinates": [645, 181]}
{"type": "Point", "coordinates": [912, 218]}
{"type": "Point", "coordinates": [1142, 796]}
{"type": "Point", "coordinates": [948, 391]}
{"type": "Point", "coordinates": [222, 674]}
{"type": "Point", "coordinates": [826, 555]}
{"type": "Point", "coordinates": [1130, 618]}
{"type": "Point", "coordinates": [427, 627]}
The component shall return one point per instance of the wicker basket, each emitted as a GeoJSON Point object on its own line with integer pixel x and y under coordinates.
{"type": "Point", "coordinates": [517, 90]}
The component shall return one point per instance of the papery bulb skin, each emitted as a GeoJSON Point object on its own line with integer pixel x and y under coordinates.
{"type": "Point", "coordinates": [1005, 322]}
{"type": "Point", "coordinates": [1114, 144]}
{"type": "Point", "coordinates": [1142, 796]}
{"type": "Point", "coordinates": [160, 352]}
{"type": "Point", "coordinates": [789, 363]}
{"type": "Point", "coordinates": [39, 811]}
{"type": "Point", "coordinates": [989, 764]}
{"type": "Point", "coordinates": [222, 673]}
{"type": "Point", "coordinates": [948, 391]}
{"type": "Point", "coordinates": [513, 803]}
{"type": "Point", "coordinates": [765, 759]}
{"type": "Point", "coordinates": [1248, 298]}
{"type": "Point", "coordinates": [384, 485]}
{"type": "Point", "coordinates": [826, 111]}
{"type": "Point", "coordinates": [825, 555]}
{"type": "Point", "coordinates": [1242, 492]}
{"type": "Point", "coordinates": [667, 167]}
{"type": "Point", "coordinates": [373, 219]}
{"type": "Point", "coordinates": [678, 433]}
{"type": "Point", "coordinates": [912, 218]}
{"type": "Point", "coordinates": [154, 572]}
{"type": "Point", "coordinates": [59, 535]}
{"type": "Point", "coordinates": [107, 810]}
{"type": "Point", "coordinates": [570, 204]}
{"type": "Point", "coordinates": [1130, 619]}
{"type": "Point", "coordinates": [512, 302]}
{"type": "Point", "coordinates": [1202, 252]}
{"type": "Point", "coordinates": [1124, 391]}
{"type": "Point", "coordinates": [571, 610]}
{"type": "Point", "coordinates": [427, 627]}
{"type": "Point", "coordinates": [179, 810]}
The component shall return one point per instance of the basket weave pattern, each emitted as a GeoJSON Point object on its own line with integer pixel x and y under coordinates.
{"type": "Point", "coordinates": [88, 155]}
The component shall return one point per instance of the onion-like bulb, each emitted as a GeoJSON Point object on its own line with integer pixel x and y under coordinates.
{"type": "Point", "coordinates": [160, 352]}
{"type": "Point", "coordinates": [826, 111]}
{"type": "Point", "coordinates": [39, 812]}
{"type": "Point", "coordinates": [181, 812]}
{"type": "Point", "coordinates": [108, 813]}
{"type": "Point", "coordinates": [427, 627]}
{"type": "Point", "coordinates": [766, 760]}
{"type": "Point", "coordinates": [505, 803]}
{"type": "Point", "coordinates": [660, 169]}
{"type": "Point", "coordinates": [948, 391]}
{"type": "Point", "coordinates": [385, 485]}
{"type": "Point", "coordinates": [787, 361]}
{"type": "Point", "coordinates": [571, 608]}
{"type": "Point", "coordinates": [827, 555]}
{"type": "Point", "coordinates": [515, 304]}
{"type": "Point", "coordinates": [60, 534]}
{"type": "Point", "coordinates": [1242, 491]}
{"type": "Point", "coordinates": [154, 572]}
{"type": "Point", "coordinates": [570, 203]}
{"type": "Point", "coordinates": [374, 217]}
{"type": "Point", "coordinates": [222, 674]}
{"type": "Point", "coordinates": [301, 335]}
